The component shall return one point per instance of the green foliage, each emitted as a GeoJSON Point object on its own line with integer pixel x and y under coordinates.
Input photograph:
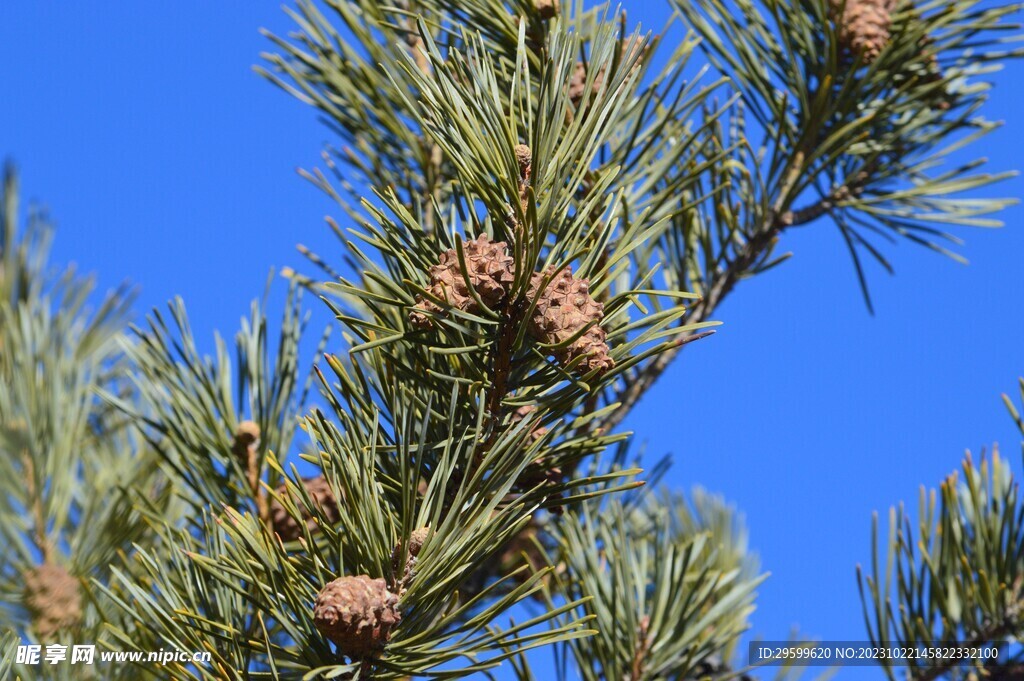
{"type": "Point", "coordinates": [661, 188]}
{"type": "Point", "coordinates": [70, 466]}
{"type": "Point", "coordinates": [192, 405]}
{"type": "Point", "coordinates": [670, 582]}
{"type": "Point", "coordinates": [252, 608]}
{"type": "Point", "coordinates": [605, 178]}
{"type": "Point", "coordinates": [8, 651]}
{"type": "Point", "coordinates": [959, 580]}
{"type": "Point", "coordinates": [874, 143]}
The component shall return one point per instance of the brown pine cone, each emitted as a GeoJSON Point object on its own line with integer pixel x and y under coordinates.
{"type": "Point", "coordinates": [53, 599]}
{"type": "Point", "coordinates": [941, 99]}
{"type": "Point", "coordinates": [541, 469]}
{"type": "Point", "coordinates": [525, 158]}
{"type": "Point", "coordinates": [358, 614]}
{"type": "Point", "coordinates": [247, 440]}
{"type": "Point", "coordinates": [320, 494]}
{"type": "Point", "coordinates": [563, 309]}
{"type": "Point", "coordinates": [578, 81]}
{"type": "Point", "coordinates": [511, 556]}
{"type": "Point", "coordinates": [547, 9]}
{"type": "Point", "coordinates": [863, 26]}
{"type": "Point", "coordinates": [416, 541]}
{"type": "Point", "coordinates": [521, 413]}
{"type": "Point", "coordinates": [490, 271]}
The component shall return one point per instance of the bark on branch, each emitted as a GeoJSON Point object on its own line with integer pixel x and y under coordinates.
{"type": "Point", "coordinates": [723, 284]}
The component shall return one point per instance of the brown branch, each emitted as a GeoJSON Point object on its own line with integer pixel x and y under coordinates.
{"type": "Point", "coordinates": [723, 284]}
{"type": "Point", "coordinates": [500, 368]}
{"type": "Point", "coordinates": [640, 654]}
{"type": "Point", "coordinates": [720, 288]}
{"type": "Point", "coordinates": [850, 189]}
{"type": "Point", "coordinates": [512, 315]}
{"type": "Point", "coordinates": [35, 499]}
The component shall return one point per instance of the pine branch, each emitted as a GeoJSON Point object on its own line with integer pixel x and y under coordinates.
{"type": "Point", "coordinates": [68, 465]}
{"type": "Point", "coordinates": [823, 112]}
{"type": "Point", "coordinates": [671, 580]}
{"type": "Point", "coordinates": [960, 581]}
{"type": "Point", "coordinates": [753, 251]}
{"type": "Point", "coordinates": [993, 633]}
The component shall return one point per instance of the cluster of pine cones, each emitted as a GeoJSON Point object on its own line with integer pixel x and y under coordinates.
{"type": "Point", "coordinates": [322, 496]}
{"type": "Point", "coordinates": [863, 25]}
{"type": "Point", "coordinates": [562, 304]}
{"type": "Point", "coordinates": [359, 613]}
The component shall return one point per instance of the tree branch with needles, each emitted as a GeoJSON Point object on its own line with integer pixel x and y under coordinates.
{"type": "Point", "coordinates": [723, 284]}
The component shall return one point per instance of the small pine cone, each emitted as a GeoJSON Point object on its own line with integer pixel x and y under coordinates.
{"type": "Point", "coordinates": [563, 309]}
{"type": "Point", "coordinates": [53, 598]}
{"type": "Point", "coordinates": [943, 99]}
{"type": "Point", "coordinates": [863, 26]}
{"type": "Point", "coordinates": [490, 270]}
{"type": "Point", "coordinates": [524, 411]}
{"type": "Point", "coordinates": [320, 493]}
{"type": "Point", "coordinates": [525, 158]}
{"type": "Point", "coordinates": [416, 541]}
{"type": "Point", "coordinates": [578, 83]}
{"type": "Point", "coordinates": [357, 614]}
{"type": "Point", "coordinates": [247, 440]}
{"type": "Point", "coordinates": [547, 9]}
{"type": "Point", "coordinates": [578, 80]}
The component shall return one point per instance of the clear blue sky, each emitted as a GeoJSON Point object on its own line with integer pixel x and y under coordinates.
{"type": "Point", "coordinates": [166, 161]}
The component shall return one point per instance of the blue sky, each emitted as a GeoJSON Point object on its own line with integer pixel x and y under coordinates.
{"type": "Point", "coordinates": [166, 161]}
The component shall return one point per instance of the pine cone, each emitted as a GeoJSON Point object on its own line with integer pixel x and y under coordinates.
{"type": "Point", "coordinates": [547, 9]}
{"type": "Point", "coordinates": [563, 309]}
{"type": "Point", "coordinates": [863, 26]}
{"type": "Point", "coordinates": [357, 614]}
{"type": "Point", "coordinates": [525, 158]}
{"type": "Point", "coordinates": [541, 469]}
{"type": "Point", "coordinates": [578, 81]}
{"type": "Point", "coordinates": [247, 439]}
{"type": "Point", "coordinates": [490, 270]}
{"type": "Point", "coordinates": [53, 599]}
{"type": "Point", "coordinates": [416, 541]}
{"type": "Point", "coordinates": [521, 413]}
{"type": "Point", "coordinates": [320, 494]}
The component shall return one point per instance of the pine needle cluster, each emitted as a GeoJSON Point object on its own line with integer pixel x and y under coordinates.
{"type": "Point", "coordinates": [540, 205]}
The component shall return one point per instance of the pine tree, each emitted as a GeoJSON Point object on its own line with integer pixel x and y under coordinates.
{"type": "Point", "coordinates": [535, 220]}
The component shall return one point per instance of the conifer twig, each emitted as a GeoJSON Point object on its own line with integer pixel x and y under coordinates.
{"type": "Point", "coordinates": [945, 665]}
{"type": "Point", "coordinates": [723, 285]}
{"type": "Point", "coordinates": [431, 152]}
